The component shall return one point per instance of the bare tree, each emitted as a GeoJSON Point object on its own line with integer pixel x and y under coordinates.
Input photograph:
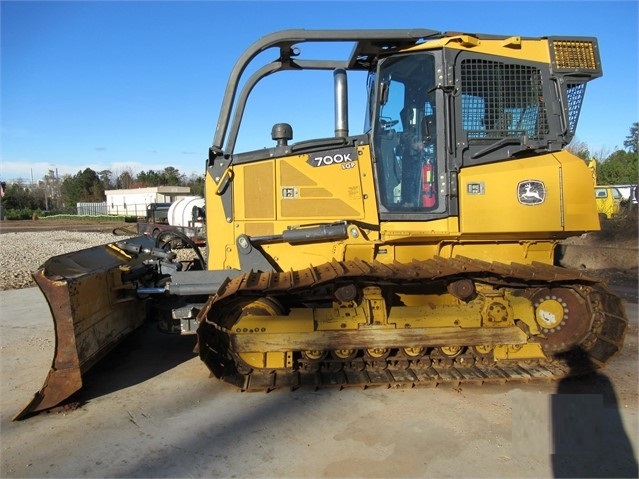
{"type": "Point", "coordinates": [124, 178]}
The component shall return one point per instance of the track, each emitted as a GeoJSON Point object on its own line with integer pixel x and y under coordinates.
{"type": "Point", "coordinates": [597, 344]}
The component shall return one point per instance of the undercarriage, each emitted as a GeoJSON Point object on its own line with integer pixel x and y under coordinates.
{"type": "Point", "coordinates": [460, 320]}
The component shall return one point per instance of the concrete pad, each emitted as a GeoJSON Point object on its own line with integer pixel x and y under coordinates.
{"type": "Point", "coordinates": [150, 410]}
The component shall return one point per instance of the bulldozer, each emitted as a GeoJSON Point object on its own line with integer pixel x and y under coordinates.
{"type": "Point", "coordinates": [420, 251]}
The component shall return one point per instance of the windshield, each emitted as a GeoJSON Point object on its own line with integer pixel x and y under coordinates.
{"type": "Point", "coordinates": [404, 134]}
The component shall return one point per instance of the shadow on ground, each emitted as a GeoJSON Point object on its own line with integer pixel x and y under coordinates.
{"type": "Point", "coordinates": [145, 354]}
{"type": "Point", "coordinates": [589, 438]}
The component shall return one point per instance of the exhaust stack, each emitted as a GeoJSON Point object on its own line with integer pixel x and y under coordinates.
{"type": "Point", "coordinates": [341, 103]}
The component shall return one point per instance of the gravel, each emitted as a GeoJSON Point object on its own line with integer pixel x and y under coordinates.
{"type": "Point", "coordinates": [23, 253]}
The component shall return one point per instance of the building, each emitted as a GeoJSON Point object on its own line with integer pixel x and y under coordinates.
{"type": "Point", "coordinates": [134, 202]}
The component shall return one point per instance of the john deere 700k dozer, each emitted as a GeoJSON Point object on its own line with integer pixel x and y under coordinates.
{"type": "Point", "coordinates": [420, 250]}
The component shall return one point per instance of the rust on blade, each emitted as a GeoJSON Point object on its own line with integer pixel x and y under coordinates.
{"type": "Point", "coordinates": [92, 310]}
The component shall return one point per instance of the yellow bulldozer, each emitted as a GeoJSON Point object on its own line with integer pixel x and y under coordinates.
{"type": "Point", "coordinates": [418, 251]}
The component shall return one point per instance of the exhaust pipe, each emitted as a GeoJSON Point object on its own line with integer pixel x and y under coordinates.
{"type": "Point", "coordinates": [341, 103]}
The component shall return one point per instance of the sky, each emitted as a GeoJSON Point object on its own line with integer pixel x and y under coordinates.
{"type": "Point", "coordinates": [137, 86]}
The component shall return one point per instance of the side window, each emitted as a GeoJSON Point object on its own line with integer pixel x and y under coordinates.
{"type": "Point", "coordinates": [501, 100]}
{"type": "Point", "coordinates": [390, 112]}
{"type": "Point", "coordinates": [405, 135]}
{"type": "Point", "coordinates": [389, 133]}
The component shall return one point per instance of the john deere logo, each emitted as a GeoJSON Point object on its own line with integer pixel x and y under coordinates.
{"type": "Point", "coordinates": [531, 192]}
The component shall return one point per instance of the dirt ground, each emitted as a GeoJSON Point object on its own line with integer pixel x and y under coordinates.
{"type": "Point", "coordinates": [150, 410]}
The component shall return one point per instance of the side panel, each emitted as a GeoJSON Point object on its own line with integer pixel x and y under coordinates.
{"type": "Point", "coordinates": [271, 196]}
{"type": "Point", "coordinates": [509, 197]}
{"type": "Point", "coordinates": [550, 193]}
{"type": "Point", "coordinates": [322, 186]}
{"type": "Point", "coordinates": [580, 206]}
{"type": "Point", "coordinates": [219, 227]}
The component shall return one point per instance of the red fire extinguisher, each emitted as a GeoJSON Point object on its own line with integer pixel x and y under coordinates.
{"type": "Point", "coordinates": [429, 189]}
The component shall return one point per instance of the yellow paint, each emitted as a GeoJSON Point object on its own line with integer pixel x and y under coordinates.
{"type": "Point", "coordinates": [299, 321]}
{"type": "Point", "coordinates": [524, 351]}
{"type": "Point", "coordinates": [535, 50]}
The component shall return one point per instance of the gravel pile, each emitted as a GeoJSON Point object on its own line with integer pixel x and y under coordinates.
{"type": "Point", "coordinates": [23, 253]}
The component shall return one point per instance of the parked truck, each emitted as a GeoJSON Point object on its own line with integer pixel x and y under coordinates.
{"type": "Point", "coordinates": [608, 200]}
{"type": "Point", "coordinates": [184, 218]}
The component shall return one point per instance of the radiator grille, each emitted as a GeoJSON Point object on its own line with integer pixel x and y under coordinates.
{"type": "Point", "coordinates": [574, 55]}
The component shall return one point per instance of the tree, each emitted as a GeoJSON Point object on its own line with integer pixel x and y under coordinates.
{"type": "Point", "coordinates": [124, 180]}
{"type": "Point", "coordinates": [172, 177]}
{"type": "Point", "coordinates": [196, 183]}
{"type": "Point", "coordinates": [632, 141]}
{"type": "Point", "coordinates": [580, 149]}
{"type": "Point", "coordinates": [620, 168]}
{"type": "Point", "coordinates": [105, 178]}
{"type": "Point", "coordinates": [149, 178]}
{"type": "Point", "coordinates": [16, 197]}
{"type": "Point", "coordinates": [84, 186]}
{"type": "Point", "coordinates": [169, 177]}
{"type": "Point", "coordinates": [20, 197]}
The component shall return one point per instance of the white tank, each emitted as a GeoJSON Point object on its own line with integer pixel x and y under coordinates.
{"type": "Point", "coordinates": [187, 211]}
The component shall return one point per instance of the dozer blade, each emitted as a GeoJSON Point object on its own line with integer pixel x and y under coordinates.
{"type": "Point", "coordinates": [93, 310]}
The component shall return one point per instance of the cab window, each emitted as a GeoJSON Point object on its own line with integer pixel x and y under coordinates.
{"type": "Point", "coordinates": [404, 134]}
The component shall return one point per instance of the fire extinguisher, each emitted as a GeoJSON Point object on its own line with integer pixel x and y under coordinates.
{"type": "Point", "coordinates": [429, 189]}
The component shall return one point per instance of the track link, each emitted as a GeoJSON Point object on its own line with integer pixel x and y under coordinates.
{"type": "Point", "coordinates": [603, 340]}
